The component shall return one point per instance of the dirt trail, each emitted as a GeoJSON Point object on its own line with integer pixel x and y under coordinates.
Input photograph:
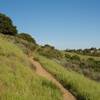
{"type": "Point", "coordinates": [42, 72]}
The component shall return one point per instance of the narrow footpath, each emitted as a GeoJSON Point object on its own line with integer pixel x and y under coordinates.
{"type": "Point", "coordinates": [42, 72]}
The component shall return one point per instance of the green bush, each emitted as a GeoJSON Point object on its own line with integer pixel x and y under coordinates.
{"type": "Point", "coordinates": [67, 56]}
{"type": "Point", "coordinates": [75, 57]}
{"type": "Point", "coordinates": [50, 52]}
{"type": "Point", "coordinates": [6, 25]}
{"type": "Point", "coordinates": [27, 37]}
{"type": "Point", "coordinates": [25, 46]}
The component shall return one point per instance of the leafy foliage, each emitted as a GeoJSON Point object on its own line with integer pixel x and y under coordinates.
{"type": "Point", "coordinates": [25, 46]}
{"type": "Point", "coordinates": [75, 57]}
{"type": "Point", "coordinates": [50, 52]}
{"type": "Point", "coordinates": [6, 25]}
{"type": "Point", "coordinates": [89, 51]}
{"type": "Point", "coordinates": [27, 37]}
{"type": "Point", "coordinates": [88, 66]}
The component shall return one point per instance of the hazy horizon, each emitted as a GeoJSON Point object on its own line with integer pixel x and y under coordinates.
{"type": "Point", "coordinates": [61, 23]}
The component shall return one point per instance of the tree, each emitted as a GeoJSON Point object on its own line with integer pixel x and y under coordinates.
{"type": "Point", "coordinates": [27, 37]}
{"type": "Point", "coordinates": [6, 25]}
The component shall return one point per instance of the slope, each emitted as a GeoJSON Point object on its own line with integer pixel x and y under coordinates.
{"type": "Point", "coordinates": [42, 72]}
{"type": "Point", "coordinates": [82, 87]}
{"type": "Point", "coordinates": [18, 81]}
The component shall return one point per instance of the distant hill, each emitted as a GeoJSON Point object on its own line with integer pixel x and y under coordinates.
{"type": "Point", "coordinates": [89, 51]}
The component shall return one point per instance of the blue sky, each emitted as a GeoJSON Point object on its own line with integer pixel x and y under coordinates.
{"type": "Point", "coordinates": [62, 23]}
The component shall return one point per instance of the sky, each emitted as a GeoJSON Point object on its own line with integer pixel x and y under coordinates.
{"type": "Point", "coordinates": [61, 23]}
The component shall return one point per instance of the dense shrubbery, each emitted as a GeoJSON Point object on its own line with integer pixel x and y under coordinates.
{"type": "Point", "coordinates": [50, 52]}
{"type": "Point", "coordinates": [24, 40]}
{"type": "Point", "coordinates": [90, 51]}
{"type": "Point", "coordinates": [6, 25]}
{"type": "Point", "coordinates": [67, 56]}
{"type": "Point", "coordinates": [27, 47]}
{"type": "Point", "coordinates": [75, 57]}
{"type": "Point", "coordinates": [89, 67]}
{"type": "Point", "coordinates": [26, 37]}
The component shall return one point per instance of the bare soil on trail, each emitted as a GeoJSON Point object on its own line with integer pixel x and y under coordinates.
{"type": "Point", "coordinates": [42, 72]}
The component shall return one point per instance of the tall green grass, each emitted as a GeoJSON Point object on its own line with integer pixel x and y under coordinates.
{"type": "Point", "coordinates": [24, 45]}
{"type": "Point", "coordinates": [82, 87]}
{"type": "Point", "coordinates": [18, 81]}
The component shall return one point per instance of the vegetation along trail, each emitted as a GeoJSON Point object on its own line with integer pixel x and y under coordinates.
{"type": "Point", "coordinates": [42, 72]}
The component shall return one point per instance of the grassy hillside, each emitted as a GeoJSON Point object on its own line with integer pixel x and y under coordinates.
{"type": "Point", "coordinates": [85, 57]}
{"type": "Point", "coordinates": [89, 66]}
{"type": "Point", "coordinates": [86, 65]}
{"type": "Point", "coordinates": [17, 80]}
{"type": "Point", "coordinates": [76, 71]}
{"type": "Point", "coordinates": [82, 87]}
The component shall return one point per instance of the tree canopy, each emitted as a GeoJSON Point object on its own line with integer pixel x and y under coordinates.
{"type": "Point", "coordinates": [6, 25]}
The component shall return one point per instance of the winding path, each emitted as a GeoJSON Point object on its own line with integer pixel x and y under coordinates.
{"type": "Point", "coordinates": [42, 72]}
